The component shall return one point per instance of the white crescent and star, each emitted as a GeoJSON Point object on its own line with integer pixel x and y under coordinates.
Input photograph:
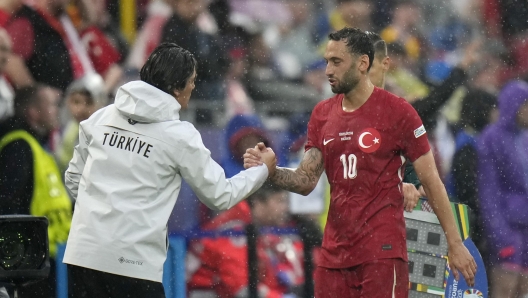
{"type": "Point", "coordinates": [362, 145]}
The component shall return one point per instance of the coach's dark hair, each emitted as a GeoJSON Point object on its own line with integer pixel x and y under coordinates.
{"type": "Point", "coordinates": [357, 41]}
{"type": "Point", "coordinates": [380, 46]}
{"type": "Point", "coordinates": [168, 67]}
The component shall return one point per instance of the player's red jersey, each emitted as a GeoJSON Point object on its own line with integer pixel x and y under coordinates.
{"type": "Point", "coordinates": [364, 152]}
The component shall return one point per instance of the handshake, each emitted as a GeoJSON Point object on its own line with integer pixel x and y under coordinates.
{"type": "Point", "coordinates": [260, 155]}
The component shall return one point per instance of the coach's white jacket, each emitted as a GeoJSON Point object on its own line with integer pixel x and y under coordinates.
{"type": "Point", "coordinates": [126, 174]}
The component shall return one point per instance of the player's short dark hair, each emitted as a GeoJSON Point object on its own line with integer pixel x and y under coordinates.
{"type": "Point", "coordinates": [380, 46]}
{"type": "Point", "coordinates": [168, 68]}
{"type": "Point", "coordinates": [262, 194]}
{"type": "Point", "coordinates": [357, 41]}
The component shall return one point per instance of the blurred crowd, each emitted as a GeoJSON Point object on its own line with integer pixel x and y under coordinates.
{"type": "Point", "coordinates": [462, 64]}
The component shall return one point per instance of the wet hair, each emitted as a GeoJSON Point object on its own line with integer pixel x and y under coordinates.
{"type": "Point", "coordinates": [357, 41]}
{"type": "Point", "coordinates": [168, 68]}
{"type": "Point", "coordinates": [262, 194]}
{"type": "Point", "coordinates": [380, 46]}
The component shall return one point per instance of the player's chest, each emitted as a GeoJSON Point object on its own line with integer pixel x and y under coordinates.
{"type": "Point", "coordinates": [361, 136]}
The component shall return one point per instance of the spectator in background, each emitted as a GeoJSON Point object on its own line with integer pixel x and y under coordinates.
{"type": "Point", "coordinates": [265, 82]}
{"type": "Point", "coordinates": [503, 192]}
{"type": "Point", "coordinates": [220, 264]}
{"type": "Point", "coordinates": [505, 22]}
{"type": "Point", "coordinates": [6, 91]}
{"type": "Point", "coordinates": [242, 132]}
{"type": "Point", "coordinates": [100, 17]}
{"type": "Point", "coordinates": [45, 38]}
{"type": "Point", "coordinates": [231, 36]}
{"type": "Point", "coordinates": [83, 97]}
{"type": "Point", "coordinates": [478, 110]}
{"type": "Point", "coordinates": [404, 29]}
{"type": "Point", "coordinates": [234, 39]}
{"type": "Point", "coordinates": [402, 80]}
{"type": "Point", "coordinates": [30, 182]}
{"type": "Point", "coordinates": [238, 100]}
{"type": "Point", "coordinates": [505, 19]}
{"type": "Point", "coordinates": [293, 46]}
{"type": "Point", "coordinates": [149, 36]}
{"type": "Point", "coordinates": [182, 28]}
{"type": "Point", "coordinates": [7, 9]}
{"type": "Point", "coordinates": [347, 13]}
{"type": "Point", "coordinates": [105, 46]}
{"type": "Point", "coordinates": [429, 106]}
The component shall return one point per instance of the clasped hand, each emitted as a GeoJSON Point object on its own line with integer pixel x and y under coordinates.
{"type": "Point", "coordinates": [259, 155]}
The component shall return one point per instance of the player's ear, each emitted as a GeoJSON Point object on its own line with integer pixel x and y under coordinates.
{"type": "Point", "coordinates": [363, 63]}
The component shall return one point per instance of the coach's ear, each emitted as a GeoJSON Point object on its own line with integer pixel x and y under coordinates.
{"type": "Point", "coordinates": [176, 93]}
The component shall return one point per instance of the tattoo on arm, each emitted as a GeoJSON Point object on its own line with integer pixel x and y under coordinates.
{"type": "Point", "coordinates": [303, 179]}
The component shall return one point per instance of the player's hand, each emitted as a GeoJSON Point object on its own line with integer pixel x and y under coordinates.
{"type": "Point", "coordinates": [461, 260]}
{"type": "Point", "coordinates": [410, 196]}
{"type": "Point", "coordinates": [253, 156]}
{"type": "Point", "coordinates": [269, 158]}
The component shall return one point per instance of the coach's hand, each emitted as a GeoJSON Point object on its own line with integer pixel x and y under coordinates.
{"type": "Point", "coordinates": [253, 156]}
{"type": "Point", "coordinates": [461, 260]}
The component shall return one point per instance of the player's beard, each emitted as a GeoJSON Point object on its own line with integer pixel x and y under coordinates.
{"type": "Point", "coordinates": [347, 83]}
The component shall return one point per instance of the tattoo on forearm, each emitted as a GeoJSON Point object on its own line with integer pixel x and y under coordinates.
{"type": "Point", "coordinates": [305, 177]}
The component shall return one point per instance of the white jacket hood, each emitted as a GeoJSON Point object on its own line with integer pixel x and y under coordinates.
{"type": "Point", "coordinates": [145, 103]}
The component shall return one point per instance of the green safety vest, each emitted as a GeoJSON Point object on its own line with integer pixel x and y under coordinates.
{"type": "Point", "coordinates": [49, 195]}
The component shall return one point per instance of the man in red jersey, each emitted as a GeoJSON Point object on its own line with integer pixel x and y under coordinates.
{"type": "Point", "coordinates": [361, 137]}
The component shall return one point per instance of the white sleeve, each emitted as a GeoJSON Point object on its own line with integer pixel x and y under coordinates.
{"type": "Point", "coordinates": [76, 166]}
{"type": "Point", "coordinates": [207, 178]}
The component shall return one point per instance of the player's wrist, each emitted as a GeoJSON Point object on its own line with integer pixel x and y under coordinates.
{"type": "Point", "coordinates": [272, 173]}
{"type": "Point", "coordinates": [453, 239]}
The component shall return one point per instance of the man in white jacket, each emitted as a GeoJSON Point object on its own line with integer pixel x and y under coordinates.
{"type": "Point", "coordinates": [126, 174]}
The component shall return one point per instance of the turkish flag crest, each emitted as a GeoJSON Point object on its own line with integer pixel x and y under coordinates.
{"type": "Point", "coordinates": [369, 140]}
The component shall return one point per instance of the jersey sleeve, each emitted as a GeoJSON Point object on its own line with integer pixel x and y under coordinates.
{"type": "Point", "coordinates": [314, 131]}
{"type": "Point", "coordinates": [414, 137]}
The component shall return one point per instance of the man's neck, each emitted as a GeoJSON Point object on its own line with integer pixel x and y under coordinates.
{"type": "Point", "coordinates": [354, 99]}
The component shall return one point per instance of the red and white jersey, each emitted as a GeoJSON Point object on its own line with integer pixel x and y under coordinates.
{"type": "Point", "coordinates": [364, 152]}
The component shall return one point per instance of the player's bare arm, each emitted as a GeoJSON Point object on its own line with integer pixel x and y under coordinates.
{"type": "Point", "coordinates": [301, 180]}
{"type": "Point", "coordinates": [459, 257]}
